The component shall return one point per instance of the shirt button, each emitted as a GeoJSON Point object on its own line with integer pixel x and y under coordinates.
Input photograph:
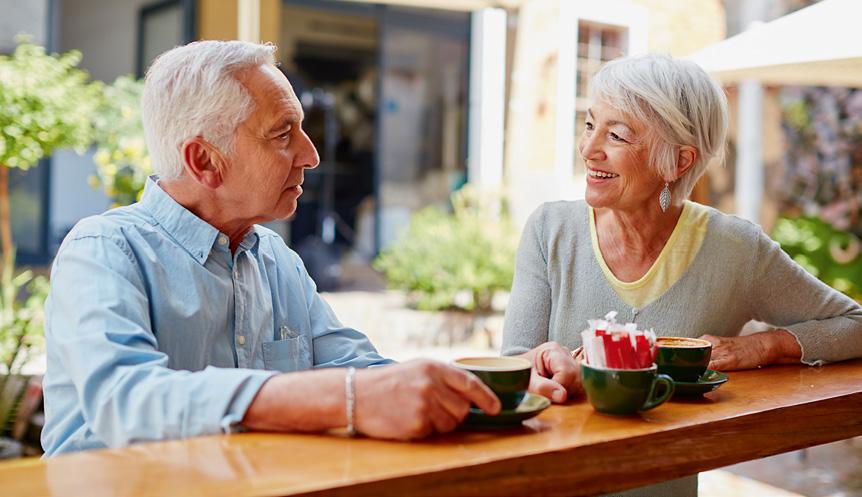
{"type": "Point", "coordinates": [222, 240]}
{"type": "Point", "coordinates": [241, 339]}
{"type": "Point", "coordinates": [236, 274]}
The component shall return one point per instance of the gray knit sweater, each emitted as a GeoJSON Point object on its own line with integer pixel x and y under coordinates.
{"type": "Point", "coordinates": [739, 274]}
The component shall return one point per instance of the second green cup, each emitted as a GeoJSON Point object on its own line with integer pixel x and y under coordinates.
{"type": "Point", "coordinates": [508, 377]}
{"type": "Point", "coordinates": [625, 391]}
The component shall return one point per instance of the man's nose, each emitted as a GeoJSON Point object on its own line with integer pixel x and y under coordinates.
{"type": "Point", "coordinates": [308, 158]}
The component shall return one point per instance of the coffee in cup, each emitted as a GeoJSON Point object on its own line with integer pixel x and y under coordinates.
{"type": "Point", "coordinates": [625, 391]}
{"type": "Point", "coordinates": [507, 377]}
{"type": "Point", "coordinates": [683, 359]}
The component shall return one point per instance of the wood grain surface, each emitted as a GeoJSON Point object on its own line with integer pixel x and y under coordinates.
{"type": "Point", "coordinates": [567, 450]}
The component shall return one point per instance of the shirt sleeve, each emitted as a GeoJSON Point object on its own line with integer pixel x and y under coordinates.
{"type": "Point", "coordinates": [98, 325]}
{"type": "Point", "coordinates": [529, 311]}
{"type": "Point", "coordinates": [334, 344]}
{"type": "Point", "coordinates": [826, 323]}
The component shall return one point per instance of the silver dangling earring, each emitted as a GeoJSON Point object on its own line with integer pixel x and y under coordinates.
{"type": "Point", "coordinates": [664, 197]}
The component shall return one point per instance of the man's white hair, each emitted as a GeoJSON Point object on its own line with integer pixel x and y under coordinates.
{"type": "Point", "coordinates": [191, 91]}
{"type": "Point", "coordinates": [678, 102]}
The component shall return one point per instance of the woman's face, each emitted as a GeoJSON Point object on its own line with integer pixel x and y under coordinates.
{"type": "Point", "coordinates": [614, 150]}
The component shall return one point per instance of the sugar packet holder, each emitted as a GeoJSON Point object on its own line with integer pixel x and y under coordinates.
{"type": "Point", "coordinates": [608, 344]}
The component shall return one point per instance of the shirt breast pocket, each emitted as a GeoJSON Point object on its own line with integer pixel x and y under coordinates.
{"type": "Point", "coordinates": [289, 354]}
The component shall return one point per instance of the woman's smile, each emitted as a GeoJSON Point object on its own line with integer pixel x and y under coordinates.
{"type": "Point", "coordinates": [600, 174]}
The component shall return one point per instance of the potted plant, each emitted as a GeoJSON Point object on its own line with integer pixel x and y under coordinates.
{"type": "Point", "coordinates": [22, 298]}
{"type": "Point", "coordinates": [46, 103]}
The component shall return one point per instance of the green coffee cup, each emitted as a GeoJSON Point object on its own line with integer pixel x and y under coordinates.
{"type": "Point", "coordinates": [508, 377]}
{"type": "Point", "coordinates": [683, 359]}
{"type": "Point", "coordinates": [625, 391]}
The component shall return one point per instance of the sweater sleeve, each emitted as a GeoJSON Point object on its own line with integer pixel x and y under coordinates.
{"type": "Point", "coordinates": [528, 313]}
{"type": "Point", "coordinates": [826, 323]}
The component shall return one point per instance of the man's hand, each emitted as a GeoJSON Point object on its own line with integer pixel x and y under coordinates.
{"type": "Point", "coordinates": [417, 398]}
{"type": "Point", "coordinates": [752, 351]}
{"type": "Point", "coordinates": [556, 373]}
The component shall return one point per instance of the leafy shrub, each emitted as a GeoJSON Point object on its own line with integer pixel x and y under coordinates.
{"type": "Point", "coordinates": [122, 161]}
{"type": "Point", "coordinates": [457, 259]}
{"type": "Point", "coordinates": [45, 103]}
{"type": "Point", "coordinates": [831, 255]}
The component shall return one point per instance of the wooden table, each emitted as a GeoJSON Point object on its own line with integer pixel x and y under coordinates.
{"type": "Point", "coordinates": [567, 450]}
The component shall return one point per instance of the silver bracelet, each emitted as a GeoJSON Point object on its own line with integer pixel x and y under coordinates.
{"type": "Point", "coordinates": [349, 395]}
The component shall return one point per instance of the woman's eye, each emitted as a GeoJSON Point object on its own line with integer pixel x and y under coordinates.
{"type": "Point", "coordinates": [615, 137]}
{"type": "Point", "coordinates": [588, 126]}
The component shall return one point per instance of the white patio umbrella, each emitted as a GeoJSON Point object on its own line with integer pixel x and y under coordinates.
{"type": "Point", "coordinates": [820, 45]}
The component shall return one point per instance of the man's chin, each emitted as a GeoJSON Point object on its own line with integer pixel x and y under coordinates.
{"type": "Point", "coordinates": [288, 212]}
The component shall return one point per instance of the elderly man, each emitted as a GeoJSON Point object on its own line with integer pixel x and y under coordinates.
{"type": "Point", "coordinates": [179, 316]}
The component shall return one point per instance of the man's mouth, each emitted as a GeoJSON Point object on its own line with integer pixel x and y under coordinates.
{"type": "Point", "coordinates": [596, 173]}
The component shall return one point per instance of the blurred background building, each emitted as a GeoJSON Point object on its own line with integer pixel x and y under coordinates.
{"type": "Point", "coordinates": [424, 96]}
{"type": "Point", "coordinates": [409, 100]}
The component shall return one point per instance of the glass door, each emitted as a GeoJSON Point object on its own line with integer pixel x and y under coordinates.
{"type": "Point", "coordinates": [422, 113]}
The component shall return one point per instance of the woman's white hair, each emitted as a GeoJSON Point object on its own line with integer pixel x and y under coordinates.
{"type": "Point", "coordinates": [678, 102]}
{"type": "Point", "coordinates": [191, 91]}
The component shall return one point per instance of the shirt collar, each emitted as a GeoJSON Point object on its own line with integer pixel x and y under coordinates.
{"type": "Point", "coordinates": [194, 234]}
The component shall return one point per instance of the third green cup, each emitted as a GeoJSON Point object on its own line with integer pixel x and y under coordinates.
{"type": "Point", "coordinates": [625, 391]}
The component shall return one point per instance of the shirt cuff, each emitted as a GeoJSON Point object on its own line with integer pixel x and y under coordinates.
{"type": "Point", "coordinates": [231, 421]}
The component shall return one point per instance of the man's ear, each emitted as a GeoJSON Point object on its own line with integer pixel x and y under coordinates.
{"type": "Point", "coordinates": [203, 162]}
{"type": "Point", "coordinates": [686, 157]}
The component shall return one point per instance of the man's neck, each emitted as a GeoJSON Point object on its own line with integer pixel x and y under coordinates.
{"type": "Point", "coordinates": [205, 205]}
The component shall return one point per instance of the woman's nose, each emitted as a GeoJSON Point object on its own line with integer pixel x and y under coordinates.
{"type": "Point", "coordinates": [590, 148]}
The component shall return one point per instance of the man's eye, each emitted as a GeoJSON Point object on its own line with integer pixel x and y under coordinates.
{"type": "Point", "coordinates": [588, 126]}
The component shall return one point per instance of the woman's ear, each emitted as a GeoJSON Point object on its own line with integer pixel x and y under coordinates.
{"type": "Point", "coordinates": [686, 157]}
{"type": "Point", "coordinates": [203, 162]}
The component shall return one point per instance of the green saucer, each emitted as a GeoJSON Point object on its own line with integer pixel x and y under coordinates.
{"type": "Point", "coordinates": [708, 381]}
{"type": "Point", "coordinates": [529, 407]}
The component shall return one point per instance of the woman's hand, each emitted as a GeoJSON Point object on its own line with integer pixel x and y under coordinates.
{"type": "Point", "coordinates": [752, 351]}
{"type": "Point", "coordinates": [556, 374]}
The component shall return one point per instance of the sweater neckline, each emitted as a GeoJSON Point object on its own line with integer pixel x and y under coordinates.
{"type": "Point", "coordinates": [650, 273]}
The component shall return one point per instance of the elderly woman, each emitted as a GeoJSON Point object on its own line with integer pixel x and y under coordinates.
{"type": "Point", "coordinates": [638, 246]}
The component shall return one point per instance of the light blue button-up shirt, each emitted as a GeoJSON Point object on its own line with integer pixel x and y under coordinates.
{"type": "Point", "coordinates": [155, 330]}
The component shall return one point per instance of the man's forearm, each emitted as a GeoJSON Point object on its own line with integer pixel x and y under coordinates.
{"type": "Point", "coordinates": [302, 401]}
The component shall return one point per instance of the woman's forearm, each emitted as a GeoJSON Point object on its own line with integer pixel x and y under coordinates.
{"type": "Point", "coordinates": [783, 347]}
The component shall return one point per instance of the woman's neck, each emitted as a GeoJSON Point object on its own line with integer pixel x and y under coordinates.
{"type": "Point", "coordinates": [631, 241]}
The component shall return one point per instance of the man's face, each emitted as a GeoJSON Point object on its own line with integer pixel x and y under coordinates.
{"type": "Point", "coordinates": [271, 151]}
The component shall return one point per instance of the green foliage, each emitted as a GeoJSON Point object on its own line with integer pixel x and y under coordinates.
{"type": "Point", "coordinates": [454, 260]}
{"type": "Point", "coordinates": [831, 255]}
{"type": "Point", "coordinates": [22, 299]}
{"type": "Point", "coordinates": [45, 104]}
{"type": "Point", "coordinates": [122, 161]}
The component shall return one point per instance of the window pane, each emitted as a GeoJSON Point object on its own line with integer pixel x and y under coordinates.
{"type": "Point", "coordinates": [597, 44]}
{"type": "Point", "coordinates": [27, 190]}
{"type": "Point", "coordinates": [161, 30]}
